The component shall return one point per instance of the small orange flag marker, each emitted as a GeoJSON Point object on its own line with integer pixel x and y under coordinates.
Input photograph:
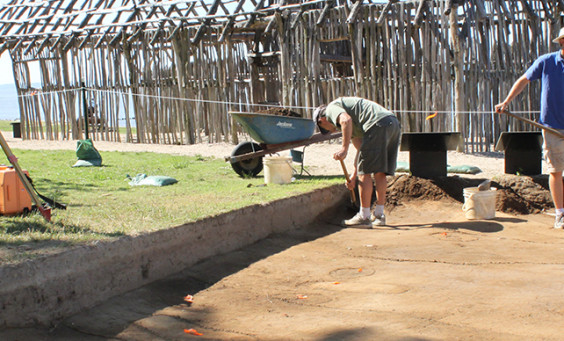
{"type": "Point", "coordinates": [431, 116]}
{"type": "Point", "coordinates": [192, 331]}
{"type": "Point", "coordinates": [189, 298]}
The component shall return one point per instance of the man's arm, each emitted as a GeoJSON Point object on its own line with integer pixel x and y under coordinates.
{"type": "Point", "coordinates": [346, 123]}
{"type": "Point", "coordinates": [351, 184]}
{"type": "Point", "coordinates": [516, 89]}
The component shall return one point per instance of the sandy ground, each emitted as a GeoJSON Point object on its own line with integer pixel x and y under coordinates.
{"type": "Point", "coordinates": [431, 274]}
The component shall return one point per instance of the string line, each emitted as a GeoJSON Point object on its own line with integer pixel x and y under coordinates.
{"type": "Point", "coordinates": [235, 104]}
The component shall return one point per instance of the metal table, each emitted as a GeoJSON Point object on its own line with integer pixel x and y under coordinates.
{"type": "Point", "coordinates": [523, 152]}
{"type": "Point", "coordinates": [427, 152]}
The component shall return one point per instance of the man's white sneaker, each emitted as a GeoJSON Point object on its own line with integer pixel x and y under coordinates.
{"type": "Point", "coordinates": [559, 221]}
{"type": "Point", "coordinates": [358, 221]}
{"type": "Point", "coordinates": [378, 220]}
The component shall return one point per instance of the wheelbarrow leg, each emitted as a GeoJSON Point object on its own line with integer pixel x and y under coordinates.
{"type": "Point", "coordinates": [298, 157]}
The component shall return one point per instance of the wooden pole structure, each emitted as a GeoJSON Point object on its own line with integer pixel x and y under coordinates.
{"type": "Point", "coordinates": [160, 62]}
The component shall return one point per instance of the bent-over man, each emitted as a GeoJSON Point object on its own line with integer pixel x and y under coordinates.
{"type": "Point", "coordinates": [375, 133]}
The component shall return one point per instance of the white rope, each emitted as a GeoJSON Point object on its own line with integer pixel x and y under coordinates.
{"type": "Point", "coordinates": [428, 112]}
{"type": "Point", "coordinates": [40, 92]}
{"type": "Point", "coordinates": [199, 100]}
{"type": "Point", "coordinates": [457, 112]}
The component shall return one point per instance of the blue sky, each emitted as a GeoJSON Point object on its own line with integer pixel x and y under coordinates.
{"type": "Point", "coordinates": [6, 69]}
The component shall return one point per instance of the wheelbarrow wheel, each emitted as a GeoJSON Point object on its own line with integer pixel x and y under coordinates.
{"type": "Point", "coordinates": [249, 167]}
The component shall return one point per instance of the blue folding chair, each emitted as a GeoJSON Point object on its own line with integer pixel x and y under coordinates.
{"type": "Point", "coordinates": [298, 157]}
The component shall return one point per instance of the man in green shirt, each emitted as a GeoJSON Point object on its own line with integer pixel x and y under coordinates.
{"type": "Point", "coordinates": [375, 133]}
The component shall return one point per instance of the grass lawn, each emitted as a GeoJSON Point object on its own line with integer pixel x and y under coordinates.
{"type": "Point", "coordinates": [101, 204]}
{"type": "Point", "coordinates": [5, 125]}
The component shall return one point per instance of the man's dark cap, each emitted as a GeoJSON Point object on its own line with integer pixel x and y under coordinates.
{"type": "Point", "coordinates": [317, 114]}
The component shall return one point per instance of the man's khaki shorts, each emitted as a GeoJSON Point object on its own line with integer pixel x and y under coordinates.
{"type": "Point", "coordinates": [553, 149]}
{"type": "Point", "coordinates": [379, 149]}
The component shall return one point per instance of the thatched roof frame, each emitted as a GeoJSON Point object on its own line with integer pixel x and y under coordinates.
{"type": "Point", "coordinates": [60, 23]}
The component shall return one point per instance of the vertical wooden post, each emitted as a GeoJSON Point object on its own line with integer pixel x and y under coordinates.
{"type": "Point", "coordinates": [458, 70]}
{"type": "Point", "coordinates": [285, 68]}
{"type": "Point", "coordinates": [257, 93]}
{"type": "Point", "coordinates": [355, 34]}
{"type": "Point", "coordinates": [230, 75]}
{"type": "Point", "coordinates": [84, 110]}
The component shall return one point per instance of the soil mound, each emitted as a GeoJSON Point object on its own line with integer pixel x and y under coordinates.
{"type": "Point", "coordinates": [406, 187]}
{"type": "Point", "coordinates": [515, 194]}
{"type": "Point", "coordinates": [281, 112]}
{"type": "Point", "coordinates": [523, 195]}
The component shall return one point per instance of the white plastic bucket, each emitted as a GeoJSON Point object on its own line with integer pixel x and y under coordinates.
{"type": "Point", "coordinates": [277, 170]}
{"type": "Point", "coordinates": [479, 204]}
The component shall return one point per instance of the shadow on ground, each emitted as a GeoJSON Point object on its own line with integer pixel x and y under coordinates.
{"type": "Point", "coordinates": [117, 314]}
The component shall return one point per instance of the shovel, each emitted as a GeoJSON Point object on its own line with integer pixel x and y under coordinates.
{"type": "Point", "coordinates": [353, 196]}
{"type": "Point", "coordinates": [485, 185]}
{"type": "Point", "coordinates": [536, 124]}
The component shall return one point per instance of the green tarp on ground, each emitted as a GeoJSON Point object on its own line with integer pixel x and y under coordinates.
{"type": "Point", "coordinates": [403, 166]}
{"type": "Point", "coordinates": [151, 180]}
{"type": "Point", "coordinates": [87, 154]}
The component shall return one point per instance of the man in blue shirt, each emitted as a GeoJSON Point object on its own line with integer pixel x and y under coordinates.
{"type": "Point", "coordinates": [549, 68]}
{"type": "Point", "coordinates": [374, 131]}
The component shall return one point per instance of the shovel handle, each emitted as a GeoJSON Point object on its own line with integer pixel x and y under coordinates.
{"type": "Point", "coordinates": [536, 124]}
{"type": "Point", "coordinates": [353, 196]}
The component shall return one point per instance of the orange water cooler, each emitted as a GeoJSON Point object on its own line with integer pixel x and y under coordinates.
{"type": "Point", "coordinates": [14, 198]}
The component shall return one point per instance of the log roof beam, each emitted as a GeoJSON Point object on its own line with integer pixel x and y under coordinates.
{"type": "Point", "coordinates": [385, 11]}
{"type": "Point", "coordinates": [112, 20]}
{"type": "Point", "coordinates": [328, 5]}
{"type": "Point", "coordinates": [420, 13]}
{"type": "Point", "coordinates": [211, 11]}
{"type": "Point", "coordinates": [354, 11]}
{"type": "Point", "coordinates": [43, 45]}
